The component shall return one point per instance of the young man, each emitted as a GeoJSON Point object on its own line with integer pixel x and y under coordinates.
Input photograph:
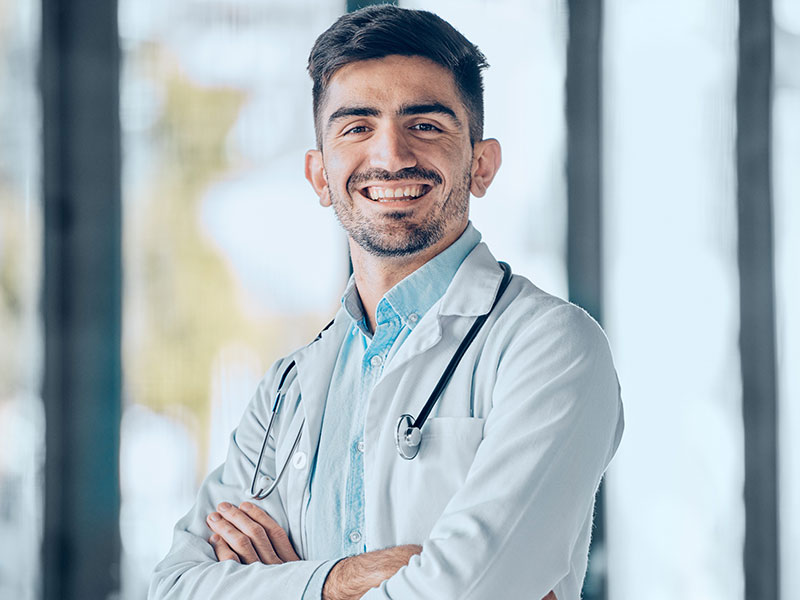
{"type": "Point", "coordinates": [493, 495]}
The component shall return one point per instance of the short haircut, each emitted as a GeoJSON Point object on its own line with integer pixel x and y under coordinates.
{"type": "Point", "coordinates": [385, 30]}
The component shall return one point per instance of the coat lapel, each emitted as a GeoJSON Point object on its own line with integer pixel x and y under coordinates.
{"type": "Point", "coordinates": [315, 364]}
{"type": "Point", "coordinates": [470, 294]}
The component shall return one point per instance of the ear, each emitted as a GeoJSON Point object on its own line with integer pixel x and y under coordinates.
{"type": "Point", "coordinates": [315, 173]}
{"type": "Point", "coordinates": [486, 159]}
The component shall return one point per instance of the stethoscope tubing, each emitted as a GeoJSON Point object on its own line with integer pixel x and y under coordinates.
{"type": "Point", "coordinates": [460, 351]}
{"type": "Point", "coordinates": [261, 494]}
{"type": "Point", "coordinates": [408, 434]}
{"type": "Point", "coordinates": [409, 430]}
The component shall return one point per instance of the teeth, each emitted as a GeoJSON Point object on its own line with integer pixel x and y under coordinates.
{"type": "Point", "coordinates": [379, 193]}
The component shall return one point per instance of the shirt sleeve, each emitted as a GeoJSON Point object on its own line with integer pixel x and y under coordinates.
{"type": "Point", "coordinates": [190, 568]}
{"type": "Point", "coordinates": [525, 509]}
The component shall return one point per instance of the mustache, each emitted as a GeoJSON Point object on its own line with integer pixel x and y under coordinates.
{"type": "Point", "coordinates": [419, 173]}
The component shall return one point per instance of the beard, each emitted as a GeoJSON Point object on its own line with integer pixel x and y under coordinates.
{"type": "Point", "coordinates": [395, 234]}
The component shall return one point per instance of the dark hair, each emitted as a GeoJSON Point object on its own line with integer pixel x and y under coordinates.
{"type": "Point", "coordinates": [384, 30]}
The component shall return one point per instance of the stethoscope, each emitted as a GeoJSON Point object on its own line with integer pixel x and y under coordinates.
{"type": "Point", "coordinates": [408, 435]}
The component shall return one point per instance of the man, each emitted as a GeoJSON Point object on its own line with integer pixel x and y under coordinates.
{"type": "Point", "coordinates": [496, 499]}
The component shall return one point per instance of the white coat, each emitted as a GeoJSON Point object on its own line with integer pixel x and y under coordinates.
{"type": "Point", "coordinates": [501, 493]}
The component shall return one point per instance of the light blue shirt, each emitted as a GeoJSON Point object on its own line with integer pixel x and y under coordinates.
{"type": "Point", "coordinates": [335, 518]}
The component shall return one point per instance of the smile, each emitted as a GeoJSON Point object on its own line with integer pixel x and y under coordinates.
{"type": "Point", "coordinates": [399, 193]}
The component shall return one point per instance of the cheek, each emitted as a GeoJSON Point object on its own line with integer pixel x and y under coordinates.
{"type": "Point", "coordinates": [339, 170]}
{"type": "Point", "coordinates": [446, 157]}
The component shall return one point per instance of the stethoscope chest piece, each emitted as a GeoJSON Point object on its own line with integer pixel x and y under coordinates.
{"type": "Point", "coordinates": [408, 438]}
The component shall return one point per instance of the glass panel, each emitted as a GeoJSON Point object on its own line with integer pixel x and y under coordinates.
{"type": "Point", "coordinates": [21, 343]}
{"type": "Point", "coordinates": [675, 510]}
{"type": "Point", "coordinates": [786, 153]}
{"type": "Point", "coordinates": [221, 232]}
{"type": "Point", "coordinates": [523, 217]}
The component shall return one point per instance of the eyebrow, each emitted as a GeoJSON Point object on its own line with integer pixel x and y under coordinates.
{"type": "Point", "coordinates": [353, 111]}
{"type": "Point", "coordinates": [432, 107]}
{"type": "Point", "coordinates": [405, 111]}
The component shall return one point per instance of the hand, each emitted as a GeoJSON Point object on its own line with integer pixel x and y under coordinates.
{"type": "Point", "coordinates": [247, 534]}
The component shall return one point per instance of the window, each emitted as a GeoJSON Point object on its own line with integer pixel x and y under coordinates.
{"type": "Point", "coordinates": [676, 516]}
{"type": "Point", "coordinates": [220, 234]}
{"type": "Point", "coordinates": [21, 410]}
{"type": "Point", "coordinates": [786, 157]}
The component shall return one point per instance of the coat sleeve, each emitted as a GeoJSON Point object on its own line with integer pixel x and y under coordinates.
{"type": "Point", "coordinates": [190, 569]}
{"type": "Point", "coordinates": [525, 508]}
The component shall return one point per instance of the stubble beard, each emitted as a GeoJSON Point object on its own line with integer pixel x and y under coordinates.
{"type": "Point", "coordinates": [396, 235]}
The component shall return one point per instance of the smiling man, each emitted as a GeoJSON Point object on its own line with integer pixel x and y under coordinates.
{"type": "Point", "coordinates": [445, 435]}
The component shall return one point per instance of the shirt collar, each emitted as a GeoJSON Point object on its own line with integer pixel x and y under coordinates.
{"type": "Point", "coordinates": [412, 297]}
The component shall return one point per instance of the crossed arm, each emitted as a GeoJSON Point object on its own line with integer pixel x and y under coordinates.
{"type": "Point", "coordinates": [246, 534]}
{"type": "Point", "coordinates": [514, 523]}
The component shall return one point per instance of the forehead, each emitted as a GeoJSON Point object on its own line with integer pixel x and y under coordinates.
{"type": "Point", "coordinates": [392, 81]}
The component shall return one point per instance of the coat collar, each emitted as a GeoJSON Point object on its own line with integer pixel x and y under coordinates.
{"type": "Point", "coordinates": [470, 294]}
{"type": "Point", "coordinates": [472, 291]}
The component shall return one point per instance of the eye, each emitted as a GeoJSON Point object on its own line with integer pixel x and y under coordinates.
{"type": "Point", "coordinates": [425, 127]}
{"type": "Point", "coordinates": [355, 130]}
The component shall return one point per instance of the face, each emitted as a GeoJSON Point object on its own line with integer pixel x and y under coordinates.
{"type": "Point", "coordinates": [396, 161]}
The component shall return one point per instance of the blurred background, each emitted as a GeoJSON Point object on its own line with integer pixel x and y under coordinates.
{"type": "Point", "coordinates": [160, 248]}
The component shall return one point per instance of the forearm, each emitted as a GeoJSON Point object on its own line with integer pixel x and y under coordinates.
{"type": "Point", "coordinates": [352, 577]}
{"type": "Point", "coordinates": [188, 572]}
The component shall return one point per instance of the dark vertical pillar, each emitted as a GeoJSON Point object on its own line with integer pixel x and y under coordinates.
{"type": "Point", "coordinates": [584, 208]}
{"type": "Point", "coordinates": [79, 79]}
{"type": "Point", "coordinates": [757, 299]}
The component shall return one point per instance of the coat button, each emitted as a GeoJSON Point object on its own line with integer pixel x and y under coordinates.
{"type": "Point", "coordinates": [376, 361]}
{"type": "Point", "coordinates": [300, 460]}
{"type": "Point", "coordinates": [355, 536]}
{"type": "Point", "coordinates": [360, 446]}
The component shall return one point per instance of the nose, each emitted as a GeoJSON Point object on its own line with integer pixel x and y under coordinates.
{"type": "Point", "coordinates": [390, 149]}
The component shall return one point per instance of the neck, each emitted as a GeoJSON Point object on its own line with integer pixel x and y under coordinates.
{"type": "Point", "coordinates": [376, 275]}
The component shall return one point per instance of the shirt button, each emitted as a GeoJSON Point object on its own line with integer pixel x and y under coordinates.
{"type": "Point", "coordinates": [376, 361]}
{"type": "Point", "coordinates": [300, 460]}
{"type": "Point", "coordinates": [355, 536]}
{"type": "Point", "coordinates": [360, 446]}
{"type": "Point", "coordinates": [413, 318]}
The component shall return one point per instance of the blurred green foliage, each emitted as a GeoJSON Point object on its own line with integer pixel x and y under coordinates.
{"type": "Point", "coordinates": [19, 260]}
{"type": "Point", "coordinates": [188, 294]}
{"type": "Point", "coordinates": [182, 301]}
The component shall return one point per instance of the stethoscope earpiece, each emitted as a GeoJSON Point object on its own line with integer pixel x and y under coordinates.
{"type": "Point", "coordinates": [408, 438]}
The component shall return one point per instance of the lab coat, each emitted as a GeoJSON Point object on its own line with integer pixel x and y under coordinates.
{"type": "Point", "coordinates": [501, 493]}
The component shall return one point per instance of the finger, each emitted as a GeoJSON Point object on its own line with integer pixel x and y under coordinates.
{"type": "Point", "coordinates": [221, 549]}
{"type": "Point", "coordinates": [238, 541]}
{"type": "Point", "coordinates": [277, 535]}
{"type": "Point", "coordinates": [253, 530]}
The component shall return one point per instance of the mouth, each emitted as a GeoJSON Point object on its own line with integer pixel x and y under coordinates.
{"type": "Point", "coordinates": [395, 193]}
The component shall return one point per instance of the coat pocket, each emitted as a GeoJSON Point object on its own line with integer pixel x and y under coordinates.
{"type": "Point", "coordinates": [422, 487]}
